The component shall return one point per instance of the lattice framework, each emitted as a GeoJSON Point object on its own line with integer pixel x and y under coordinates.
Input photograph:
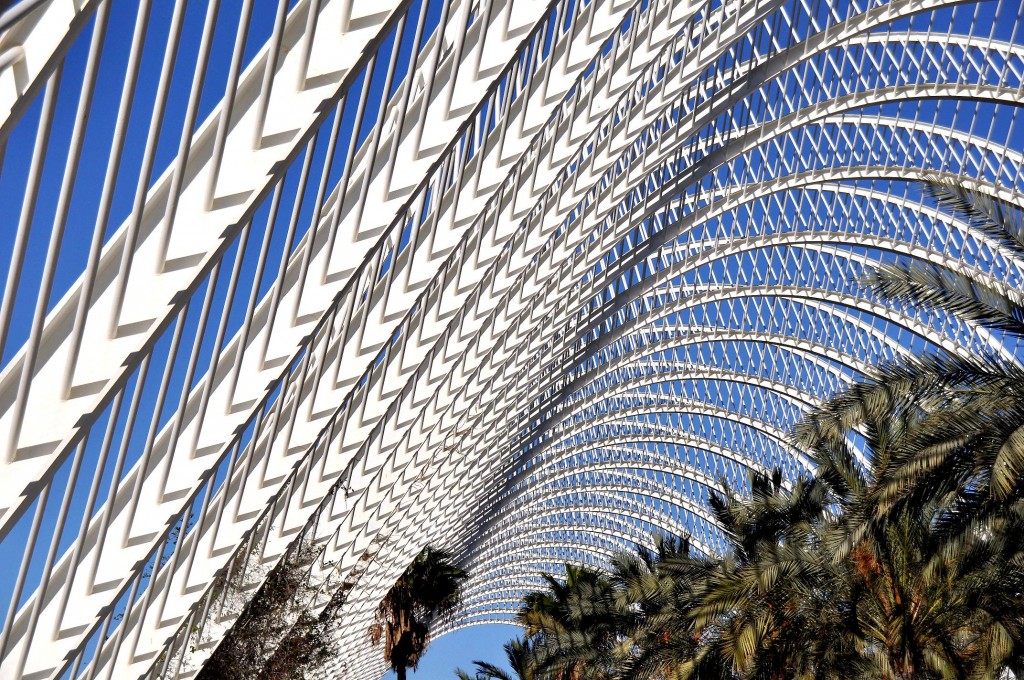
{"type": "Point", "coordinates": [524, 279]}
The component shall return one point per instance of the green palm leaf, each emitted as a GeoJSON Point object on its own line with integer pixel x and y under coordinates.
{"type": "Point", "coordinates": [1000, 221]}
{"type": "Point", "coordinates": [1008, 468]}
{"type": "Point", "coordinates": [936, 287]}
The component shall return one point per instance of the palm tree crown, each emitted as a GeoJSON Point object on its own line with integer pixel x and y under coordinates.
{"type": "Point", "coordinates": [430, 586]}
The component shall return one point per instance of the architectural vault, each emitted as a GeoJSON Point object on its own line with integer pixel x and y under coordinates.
{"type": "Point", "coordinates": [523, 279]}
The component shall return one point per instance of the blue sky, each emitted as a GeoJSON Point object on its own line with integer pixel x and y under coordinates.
{"type": "Point", "coordinates": [460, 649]}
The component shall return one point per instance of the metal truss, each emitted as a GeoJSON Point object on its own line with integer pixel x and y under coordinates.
{"type": "Point", "coordinates": [526, 279]}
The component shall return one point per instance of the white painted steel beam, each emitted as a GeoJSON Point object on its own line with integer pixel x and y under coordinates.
{"type": "Point", "coordinates": [192, 211]}
{"type": "Point", "coordinates": [563, 264]}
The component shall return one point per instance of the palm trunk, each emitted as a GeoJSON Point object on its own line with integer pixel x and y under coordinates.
{"type": "Point", "coordinates": [401, 671]}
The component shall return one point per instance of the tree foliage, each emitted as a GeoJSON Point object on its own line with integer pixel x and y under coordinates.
{"type": "Point", "coordinates": [273, 637]}
{"type": "Point", "coordinates": [429, 587]}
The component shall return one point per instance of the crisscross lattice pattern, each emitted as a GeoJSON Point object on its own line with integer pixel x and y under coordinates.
{"type": "Point", "coordinates": [525, 279]}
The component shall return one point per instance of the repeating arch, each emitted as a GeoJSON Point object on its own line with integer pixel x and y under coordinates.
{"type": "Point", "coordinates": [523, 278]}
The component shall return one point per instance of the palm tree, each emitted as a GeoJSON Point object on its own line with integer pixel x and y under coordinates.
{"type": "Point", "coordinates": [811, 586]}
{"type": "Point", "coordinates": [985, 392]}
{"type": "Point", "coordinates": [964, 293]}
{"type": "Point", "coordinates": [771, 604]}
{"type": "Point", "coordinates": [931, 525]}
{"type": "Point", "coordinates": [659, 591]}
{"type": "Point", "coordinates": [815, 586]}
{"type": "Point", "coordinates": [429, 587]}
{"type": "Point", "coordinates": [758, 611]}
{"type": "Point", "coordinates": [902, 557]}
{"type": "Point", "coordinates": [521, 659]}
{"type": "Point", "coordinates": [931, 586]}
{"type": "Point", "coordinates": [573, 625]}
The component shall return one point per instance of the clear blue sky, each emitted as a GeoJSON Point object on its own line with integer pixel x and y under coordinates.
{"type": "Point", "coordinates": [460, 649]}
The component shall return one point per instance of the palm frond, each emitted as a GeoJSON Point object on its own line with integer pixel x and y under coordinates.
{"type": "Point", "coordinates": [936, 287]}
{"type": "Point", "coordinates": [1008, 467]}
{"type": "Point", "coordinates": [998, 220]}
{"type": "Point", "coordinates": [487, 671]}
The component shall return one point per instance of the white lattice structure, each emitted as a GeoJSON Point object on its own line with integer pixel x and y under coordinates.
{"type": "Point", "coordinates": [525, 279]}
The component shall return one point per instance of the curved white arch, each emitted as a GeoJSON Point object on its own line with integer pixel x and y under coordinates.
{"type": "Point", "coordinates": [479, 302]}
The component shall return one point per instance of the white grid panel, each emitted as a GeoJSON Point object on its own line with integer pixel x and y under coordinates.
{"type": "Point", "coordinates": [523, 279]}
